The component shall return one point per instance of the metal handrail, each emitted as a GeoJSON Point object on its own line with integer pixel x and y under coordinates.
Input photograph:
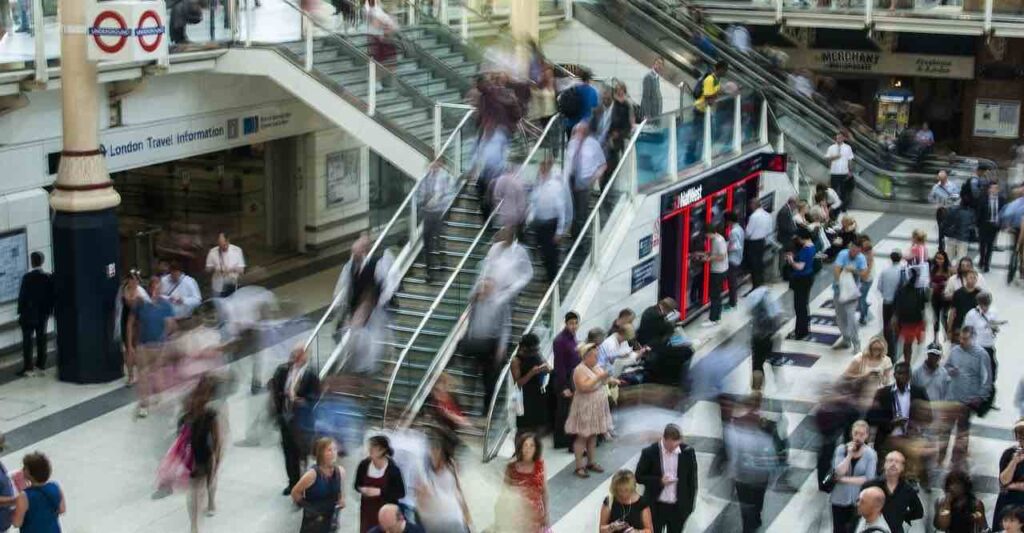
{"type": "Point", "coordinates": [541, 307]}
{"type": "Point", "coordinates": [433, 305]}
{"type": "Point", "coordinates": [441, 361]}
{"type": "Point", "coordinates": [380, 239]}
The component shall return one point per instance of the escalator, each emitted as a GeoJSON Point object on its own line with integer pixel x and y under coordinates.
{"type": "Point", "coordinates": [807, 133]}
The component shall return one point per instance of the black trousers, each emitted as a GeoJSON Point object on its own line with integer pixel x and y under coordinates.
{"type": "Point", "coordinates": [754, 250]}
{"type": "Point", "coordinates": [290, 445]}
{"type": "Point", "coordinates": [432, 223]}
{"type": "Point", "coordinates": [751, 499]}
{"type": "Point", "coordinates": [888, 310]}
{"type": "Point", "coordinates": [844, 518]}
{"type": "Point", "coordinates": [667, 517]}
{"type": "Point", "coordinates": [580, 211]}
{"type": "Point", "coordinates": [940, 216]}
{"type": "Point", "coordinates": [733, 277]}
{"type": "Point", "coordinates": [801, 286]}
{"type": "Point", "coordinates": [545, 231]}
{"type": "Point", "coordinates": [716, 279]}
{"type": "Point", "coordinates": [483, 351]}
{"type": "Point", "coordinates": [39, 332]}
{"type": "Point", "coordinates": [760, 351]}
{"type": "Point", "coordinates": [562, 405]}
{"type": "Point", "coordinates": [986, 241]}
{"type": "Point", "coordinates": [843, 185]}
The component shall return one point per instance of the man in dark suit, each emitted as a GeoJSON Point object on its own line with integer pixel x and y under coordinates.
{"type": "Point", "coordinates": [987, 209]}
{"type": "Point", "coordinates": [294, 389]}
{"type": "Point", "coordinates": [785, 230]}
{"type": "Point", "coordinates": [35, 305]}
{"type": "Point", "coordinates": [668, 471]}
{"type": "Point", "coordinates": [899, 412]}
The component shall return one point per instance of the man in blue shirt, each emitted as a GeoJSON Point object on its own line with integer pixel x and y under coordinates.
{"type": "Point", "coordinates": [589, 99]}
{"type": "Point", "coordinates": [800, 280]}
{"type": "Point", "coordinates": [156, 321]}
{"type": "Point", "coordinates": [849, 261]}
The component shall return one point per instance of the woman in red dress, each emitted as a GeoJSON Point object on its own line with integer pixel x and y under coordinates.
{"type": "Point", "coordinates": [525, 507]}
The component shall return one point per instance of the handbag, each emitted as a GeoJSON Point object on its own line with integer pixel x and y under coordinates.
{"type": "Point", "coordinates": [176, 467]}
{"type": "Point", "coordinates": [828, 482]}
{"type": "Point", "coordinates": [848, 289]}
{"type": "Point", "coordinates": [517, 401]}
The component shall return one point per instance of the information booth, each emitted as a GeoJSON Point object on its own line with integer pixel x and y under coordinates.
{"type": "Point", "coordinates": [685, 213]}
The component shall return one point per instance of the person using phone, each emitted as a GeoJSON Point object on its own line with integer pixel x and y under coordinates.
{"type": "Point", "coordinates": [1011, 477]}
{"type": "Point", "coordinates": [853, 464]}
{"type": "Point", "coordinates": [668, 471]}
{"type": "Point", "coordinates": [625, 510]}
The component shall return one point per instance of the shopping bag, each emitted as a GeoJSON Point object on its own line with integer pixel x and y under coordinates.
{"type": "Point", "coordinates": [517, 402]}
{"type": "Point", "coordinates": [848, 289]}
{"type": "Point", "coordinates": [176, 467]}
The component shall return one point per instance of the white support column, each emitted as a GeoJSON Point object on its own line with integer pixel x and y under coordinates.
{"type": "Point", "coordinates": [764, 121]}
{"type": "Point", "coordinates": [673, 148]}
{"type": "Point", "coordinates": [737, 125]}
{"type": "Point", "coordinates": [371, 90]}
{"type": "Point", "coordinates": [307, 30]}
{"type": "Point", "coordinates": [778, 11]}
{"type": "Point", "coordinates": [706, 150]}
{"type": "Point", "coordinates": [988, 17]}
{"type": "Point", "coordinates": [437, 130]}
{"type": "Point", "coordinates": [42, 72]}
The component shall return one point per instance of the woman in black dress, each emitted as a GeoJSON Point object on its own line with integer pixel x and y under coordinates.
{"type": "Point", "coordinates": [1011, 477]}
{"type": "Point", "coordinates": [528, 370]}
{"type": "Point", "coordinates": [959, 511]}
{"type": "Point", "coordinates": [625, 510]}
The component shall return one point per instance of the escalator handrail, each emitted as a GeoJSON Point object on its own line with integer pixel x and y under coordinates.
{"type": "Point", "coordinates": [491, 452]}
{"type": "Point", "coordinates": [440, 297]}
{"type": "Point", "coordinates": [338, 298]}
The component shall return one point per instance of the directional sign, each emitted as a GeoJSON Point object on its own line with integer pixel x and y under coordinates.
{"type": "Point", "coordinates": [127, 31]}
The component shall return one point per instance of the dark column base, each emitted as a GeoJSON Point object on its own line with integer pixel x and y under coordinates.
{"type": "Point", "coordinates": [85, 266]}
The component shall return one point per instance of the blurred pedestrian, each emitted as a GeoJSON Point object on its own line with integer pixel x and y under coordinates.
{"type": "Point", "coordinates": [852, 265]}
{"type": "Point", "coordinates": [869, 507]}
{"type": "Point", "coordinates": [668, 471]}
{"type": "Point", "coordinates": [550, 214]}
{"type": "Point", "coordinates": [902, 503]}
{"type": "Point", "coordinates": [206, 439]}
{"type": "Point", "coordinates": [624, 510]}
{"type": "Point", "coordinates": [319, 491]}
{"type": "Point", "coordinates": [872, 369]}
{"type": "Point", "coordinates": [441, 504]}
{"type": "Point", "coordinates": [489, 161]}
{"type": "Point", "coordinates": [765, 320]}
{"type": "Point", "coordinates": [940, 271]}
{"type": "Point", "coordinates": [853, 464]}
{"type": "Point", "coordinates": [576, 103]}
{"type": "Point", "coordinates": [759, 229]}
{"type": "Point", "coordinates": [487, 335]}
{"type": "Point", "coordinates": [524, 505]}
{"type": "Point", "coordinates": [126, 326]}
{"type": "Point", "coordinates": [959, 227]}
{"type": "Point", "coordinates": [586, 165]}
{"type": "Point", "coordinates": [863, 306]}
{"type": "Point", "coordinates": [226, 263]}
{"type": "Point", "coordinates": [589, 415]}
{"type": "Point", "coordinates": [801, 280]}
{"type": "Point", "coordinates": [959, 510]}
{"type": "Point", "coordinates": [36, 299]}
{"type": "Point", "coordinates": [1011, 478]}
{"type": "Point", "coordinates": [507, 265]}
{"type": "Point", "coordinates": [836, 413]}
{"type": "Point", "coordinates": [391, 520]}
{"type": "Point", "coordinates": [736, 238]}
{"type": "Point", "coordinates": [986, 323]}
{"type": "Point", "coordinates": [379, 482]}
{"type": "Point", "coordinates": [294, 390]}
{"type": "Point", "coordinates": [368, 283]}
{"type": "Point", "coordinates": [529, 369]}
{"type": "Point", "coordinates": [435, 192]}
{"type": "Point", "coordinates": [909, 313]}
{"type": "Point", "coordinates": [181, 290]}
{"type": "Point", "coordinates": [969, 366]}
{"type": "Point", "coordinates": [889, 282]}
{"type": "Point", "coordinates": [37, 509]}
{"type": "Point", "coordinates": [944, 194]}
{"type": "Point", "coordinates": [509, 197]}
{"type": "Point", "coordinates": [840, 159]}
{"type": "Point", "coordinates": [561, 382]}
{"type": "Point", "coordinates": [650, 99]}
{"type": "Point", "coordinates": [752, 459]}
{"type": "Point", "coordinates": [620, 127]}
{"type": "Point", "coordinates": [156, 322]}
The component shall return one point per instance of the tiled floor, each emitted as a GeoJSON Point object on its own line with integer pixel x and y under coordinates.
{"type": "Point", "coordinates": [105, 460]}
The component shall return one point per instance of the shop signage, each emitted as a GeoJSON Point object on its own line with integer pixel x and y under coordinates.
{"type": "Point", "coordinates": [148, 144]}
{"type": "Point", "coordinates": [710, 184]}
{"type": "Point", "coordinates": [127, 31]}
{"type": "Point", "coordinates": [643, 274]}
{"type": "Point", "coordinates": [869, 62]}
{"type": "Point", "coordinates": [688, 197]}
{"type": "Point", "coordinates": [996, 118]}
{"type": "Point", "coordinates": [646, 246]}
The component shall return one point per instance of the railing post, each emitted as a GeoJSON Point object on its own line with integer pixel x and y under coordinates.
{"type": "Point", "coordinates": [594, 245]}
{"type": "Point", "coordinates": [232, 15]}
{"type": "Point", "coordinates": [778, 11]}
{"type": "Point", "coordinates": [307, 30]}
{"type": "Point", "coordinates": [780, 145]}
{"type": "Point", "coordinates": [764, 121]}
{"type": "Point", "coordinates": [411, 6]}
{"type": "Point", "coordinates": [413, 221]}
{"type": "Point", "coordinates": [869, 11]}
{"type": "Point", "coordinates": [707, 151]}
{"type": "Point", "coordinates": [737, 125]}
{"type": "Point", "coordinates": [437, 130]}
{"type": "Point", "coordinates": [42, 73]}
{"type": "Point", "coordinates": [371, 90]}
{"type": "Point", "coordinates": [796, 177]}
{"type": "Point", "coordinates": [458, 153]}
{"type": "Point", "coordinates": [442, 12]}
{"type": "Point", "coordinates": [568, 9]}
{"type": "Point", "coordinates": [464, 23]}
{"type": "Point", "coordinates": [250, 7]}
{"type": "Point", "coordinates": [988, 17]}
{"type": "Point", "coordinates": [556, 304]}
{"type": "Point", "coordinates": [673, 149]}
{"type": "Point", "coordinates": [633, 184]}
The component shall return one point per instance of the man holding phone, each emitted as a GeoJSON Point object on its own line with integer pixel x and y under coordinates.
{"type": "Point", "coordinates": [668, 471]}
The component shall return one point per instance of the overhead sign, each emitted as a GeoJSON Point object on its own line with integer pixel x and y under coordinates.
{"type": "Point", "coordinates": [127, 31]}
{"type": "Point", "coordinates": [869, 62]}
{"type": "Point", "coordinates": [996, 118]}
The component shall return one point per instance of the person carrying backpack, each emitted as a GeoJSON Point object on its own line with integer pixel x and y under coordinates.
{"type": "Point", "coordinates": [576, 103]}
{"type": "Point", "coordinates": [705, 91]}
{"type": "Point", "coordinates": [910, 302]}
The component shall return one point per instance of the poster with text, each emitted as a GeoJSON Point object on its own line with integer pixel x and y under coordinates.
{"type": "Point", "coordinates": [13, 263]}
{"type": "Point", "coordinates": [343, 177]}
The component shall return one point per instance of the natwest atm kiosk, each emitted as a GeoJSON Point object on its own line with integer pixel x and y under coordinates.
{"type": "Point", "coordinates": [688, 209]}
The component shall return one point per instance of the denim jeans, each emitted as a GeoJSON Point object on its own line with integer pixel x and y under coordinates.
{"type": "Point", "coordinates": [862, 303]}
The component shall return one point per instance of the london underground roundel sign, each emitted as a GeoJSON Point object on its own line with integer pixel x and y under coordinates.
{"type": "Point", "coordinates": [110, 31]}
{"type": "Point", "coordinates": [150, 30]}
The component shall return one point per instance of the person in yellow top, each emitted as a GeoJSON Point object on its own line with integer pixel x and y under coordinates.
{"type": "Point", "coordinates": [711, 85]}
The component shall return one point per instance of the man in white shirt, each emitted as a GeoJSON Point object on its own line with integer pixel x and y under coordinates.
{"type": "Point", "coordinates": [944, 194]}
{"type": "Point", "coordinates": [181, 290]}
{"type": "Point", "coordinates": [986, 323]}
{"type": "Point", "coordinates": [739, 37]}
{"type": "Point", "coordinates": [550, 214]}
{"type": "Point", "coordinates": [432, 198]}
{"type": "Point", "coordinates": [759, 228]}
{"type": "Point", "coordinates": [718, 257]}
{"type": "Point", "coordinates": [226, 263]}
{"type": "Point", "coordinates": [668, 471]}
{"type": "Point", "coordinates": [615, 353]}
{"type": "Point", "coordinates": [585, 165]}
{"type": "Point", "coordinates": [840, 157]}
{"type": "Point", "coordinates": [736, 241]}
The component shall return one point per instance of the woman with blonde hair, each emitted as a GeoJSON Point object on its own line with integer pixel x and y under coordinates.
{"type": "Point", "coordinates": [918, 252]}
{"type": "Point", "coordinates": [318, 491]}
{"type": "Point", "coordinates": [871, 368]}
{"type": "Point", "coordinates": [625, 509]}
{"type": "Point", "coordinates": [589, 414]}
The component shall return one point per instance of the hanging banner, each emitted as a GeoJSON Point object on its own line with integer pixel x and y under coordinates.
{"type": "Point", "coordinates": [127, 31]}
{"type": "Point", "coordinates": [868, 62]}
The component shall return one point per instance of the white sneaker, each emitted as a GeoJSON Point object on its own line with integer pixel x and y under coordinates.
{"type": "Point", "coordinates": [141, 412]}
{"type": "Point", "coordinates": [711, 324]}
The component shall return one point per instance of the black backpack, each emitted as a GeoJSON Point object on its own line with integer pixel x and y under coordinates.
{"type": "Point", "coordinates": [570, 103]}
